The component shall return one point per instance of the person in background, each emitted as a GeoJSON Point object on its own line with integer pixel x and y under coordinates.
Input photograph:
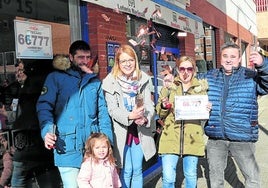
{"type": "Point", "coordinates": [30, 154]}
{"type": "Point", "coordinates": [132, 119]}
{"type": "Point", "coordinates": [11, 91]}
{"type": "Point", "coordinates": [3, 116]}
{"type": "Point", "coordinates": [3, 87]}
{"type": "Point", "coordinates": [71, 107]}
{"type": "Point", "coordinates": [98, 169]}
{"type": "Point", "coordinates": [183, 138]}
{"type": "Point", "coordinates": [6, 153]}
{"type": "Point", "coordinates": [233, 123]}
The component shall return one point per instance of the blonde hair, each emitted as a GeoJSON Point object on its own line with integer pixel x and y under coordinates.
{"type": "Point", "coordinates": [116, 71]}
{"type": "Point", "coordinates": [90, 144]}
{"type": "Point", "coordinates": [186, 58]}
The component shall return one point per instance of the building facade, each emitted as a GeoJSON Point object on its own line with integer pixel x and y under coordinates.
{"type": "Point", "coordinates": [170, 28]}
{"type": "Point", "coordinates": [159, 30]}
{"type": "Point", "coordinates": [262, 16]}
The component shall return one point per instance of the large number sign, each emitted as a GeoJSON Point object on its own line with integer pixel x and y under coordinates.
{"type": "Point", "coordinates": [33, 40]}
{"type": "Point", "coordinates": [191, 107]}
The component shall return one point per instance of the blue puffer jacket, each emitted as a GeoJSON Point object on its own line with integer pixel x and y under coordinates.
{"type": "Point", "coordinates": [238, 121]}
{"type": "Point", "coordinates": [77, 106]}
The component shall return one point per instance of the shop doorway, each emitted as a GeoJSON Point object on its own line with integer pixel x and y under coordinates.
{"type": "Point", "coordinates": [164, 61]}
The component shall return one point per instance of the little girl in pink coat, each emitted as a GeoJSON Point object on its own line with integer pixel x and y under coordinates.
{"type": "Point", "coordinates": [98, 169]}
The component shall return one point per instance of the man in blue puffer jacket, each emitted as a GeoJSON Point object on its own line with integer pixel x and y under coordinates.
{"type": "Point", "coordinates": [72, 100]}
{"type": "Point", "coordinates": [233, 123]}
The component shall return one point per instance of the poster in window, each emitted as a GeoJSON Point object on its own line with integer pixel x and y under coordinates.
{"type": "Point", "coordinates": [112, 48]}
{"type": "Point", "coordinates": [145, 55]}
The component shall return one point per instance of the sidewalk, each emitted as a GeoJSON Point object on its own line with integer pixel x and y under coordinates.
{"type": "Point", "coordinates": [233, 176]}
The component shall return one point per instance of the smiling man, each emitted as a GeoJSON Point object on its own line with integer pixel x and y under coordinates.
{"type": "Point", "coordinates": [73, 101]}
{"type": "Point", "coordinates": [233, 123]}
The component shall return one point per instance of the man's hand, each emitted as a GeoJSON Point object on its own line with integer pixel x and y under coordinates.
{"type": "Point", "coordinates": [50, 140]}
{"type": "Point", "coordinates": [256, 58]}
{"type": "Point", "coordinates": [86, 69]}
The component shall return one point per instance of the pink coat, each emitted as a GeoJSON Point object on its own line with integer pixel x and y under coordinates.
{"type": "Point", "coordinates": [100, 175]}
{"type": "Point", "coordinates": [7, 169]}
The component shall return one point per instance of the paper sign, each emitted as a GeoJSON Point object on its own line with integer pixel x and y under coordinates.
{"type": "Point", "coordinates": [191, 107]}
{"type": "Point", "coordinates": [33, 40]}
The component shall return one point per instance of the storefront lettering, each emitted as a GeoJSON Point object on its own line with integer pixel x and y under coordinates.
{"type": "Point", "coordinates": [4, 2]}
{"type": "Point", "coordinates": [123, 8]}
{"type": "Point", "coordinates": [59, 18]}
{"type": "Point", "coordinates": [22, 6]}
{"type": "Point", "coordinates": [137, 13]}
{"type": "Point", "coordinates": [168, 16]}
{"type": "Point", "coordinates": [160, 20]}
{"type": "Point", "coordinates": [110, 37]}
{"type": "Point", "coordinates": [185, 28]}
{"type": "Point", "coordinates": [26, 7]}
{"type": "Point", "coordinates": [176, 25]}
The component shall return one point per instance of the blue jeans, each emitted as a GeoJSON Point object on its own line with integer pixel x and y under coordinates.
{"type": "Point", "coordinates": [69, 176]}
{"type": "Point", "coordinates": [131, 174]}
{"type": "Point", "coordinates": [22, 174]}
{"type": "Point", "coordinates": [243, 154]}
{"type": "Point", "coordinates": [169, 166]}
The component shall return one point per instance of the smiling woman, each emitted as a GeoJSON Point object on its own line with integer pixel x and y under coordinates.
{"type": "Point", "coordinates": [132, 120]}
{"type": "Point", "coordinates": [180, 138]}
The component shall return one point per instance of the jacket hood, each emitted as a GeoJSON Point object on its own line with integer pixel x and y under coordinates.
{"type": "Point", "coordinates": [61, 62]}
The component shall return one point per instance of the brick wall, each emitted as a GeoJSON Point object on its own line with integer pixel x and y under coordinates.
{"type": "Point", "coordinates": [223, 23]}
{"type": "Point", "coordinates": [102, 31]}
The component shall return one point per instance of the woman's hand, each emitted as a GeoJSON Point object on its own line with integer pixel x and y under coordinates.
{"type": "Point", "coordinates": [141, 121]}
{"type": "Point", "coordinates": [209, 106]}
{"type": "Point", "coordinates": [165, 103]}
{"type": "Point", "coordinates": [136, 113]}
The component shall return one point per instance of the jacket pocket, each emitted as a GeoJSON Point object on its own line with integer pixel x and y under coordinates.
{"type": "Point", "coordinates": [66, 140]}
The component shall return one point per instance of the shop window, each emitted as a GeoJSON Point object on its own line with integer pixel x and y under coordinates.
{"type": "Point", "coordinates": [1, 60]}
{"type": "Point", "coordinates": [10, 58]}
{"type": "Point", "coordinates": [52, 12]}
{"type": "Point", "coordinates": [205, 50]}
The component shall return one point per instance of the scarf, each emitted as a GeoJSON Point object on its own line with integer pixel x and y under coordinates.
{"type": "Point", "coordinates": [130, 89]}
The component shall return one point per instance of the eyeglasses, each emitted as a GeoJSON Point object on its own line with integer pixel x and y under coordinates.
{"type": "Point", "coordinates": [125, 61]}
{"type": "Point", "coordinates": [188, 69]}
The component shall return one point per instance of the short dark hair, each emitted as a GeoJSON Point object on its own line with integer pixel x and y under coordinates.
{"type": "Point", "coordinates": [230, 45]}
{"type": "Point", "coordinates": [78, 45]}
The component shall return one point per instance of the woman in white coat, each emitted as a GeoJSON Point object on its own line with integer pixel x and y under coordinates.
{"type": "Point", "coordinates": [132, 119]}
